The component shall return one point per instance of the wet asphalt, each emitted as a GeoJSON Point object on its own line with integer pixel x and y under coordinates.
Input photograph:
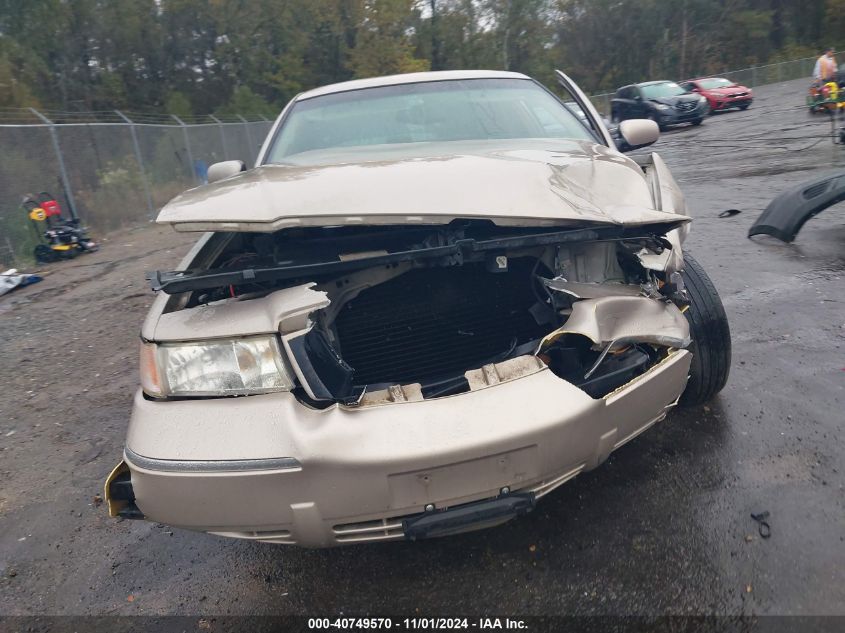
{"type": "Point", "coordinates": [663, 527]}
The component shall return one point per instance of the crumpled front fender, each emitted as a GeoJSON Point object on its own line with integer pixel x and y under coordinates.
{"type": "Point", "coordinates": [621, 320]}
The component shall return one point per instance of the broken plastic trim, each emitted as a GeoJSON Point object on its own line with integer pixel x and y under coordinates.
{"type": "Point", "coordinates": [459, 518]}
{"type": "Point", "coordinates": [326, 375]}
{"type": "Point", "coordinates": [183, 281]}
{"type": "Point", "coordinates": [787, 213]}
{"type": "Point", "coordinates": [119, 495]}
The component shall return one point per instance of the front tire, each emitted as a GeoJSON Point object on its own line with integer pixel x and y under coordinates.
{"type": "Point", "coordinates": [710, 333]}
{"type": "Point", "coordinates": [697, 122]}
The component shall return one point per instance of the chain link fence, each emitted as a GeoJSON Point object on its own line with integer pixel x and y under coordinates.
{"type": "Point", "coordinates": [750, 77]}
{"type": "Point", "coordinates": [119, 168]}
{"type": "Point", "coordinates": [114, 169]}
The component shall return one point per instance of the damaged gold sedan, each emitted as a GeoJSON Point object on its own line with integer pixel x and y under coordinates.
{"type": "Point", "coordinates": [435, 298]}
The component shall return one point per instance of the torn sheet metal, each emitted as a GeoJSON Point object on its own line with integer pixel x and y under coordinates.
{"type": "Point", "coordinates": [583, 290]}
{"type": "Point", "coordinates": [622, 320]}
{"type": "Point", "coordinates": [654, 261]}
{"type": "Point", "coordinates": [669, 198]}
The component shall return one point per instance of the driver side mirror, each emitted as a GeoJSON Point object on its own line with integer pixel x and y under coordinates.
{"type": "Point", "coordinates": [635, 133]}
{"type": "Point", "coordinates": [225, 169]}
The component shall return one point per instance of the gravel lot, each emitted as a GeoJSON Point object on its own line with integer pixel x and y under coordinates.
{"type": "Point", "coordinates": [662, 527]}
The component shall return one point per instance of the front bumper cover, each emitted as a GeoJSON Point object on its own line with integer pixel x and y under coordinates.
{"type": "Point", "coordinates": [346, 475]}
{"type": "Point", "coordinates": [784, 216]}
{"type": "Point", "coordinates": [674, 117]}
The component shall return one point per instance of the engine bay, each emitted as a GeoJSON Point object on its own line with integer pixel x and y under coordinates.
{"type": "Point", "coordinates": [426, 306]}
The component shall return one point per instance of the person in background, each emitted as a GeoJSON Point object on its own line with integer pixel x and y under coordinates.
{"type": "Point", "coordinates": [826, 67]}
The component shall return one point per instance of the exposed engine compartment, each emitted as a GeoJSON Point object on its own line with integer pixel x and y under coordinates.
{"type": "Point", "coordinates": [427, 306]}
{"type": "Point", "coordinates": [431, 325]}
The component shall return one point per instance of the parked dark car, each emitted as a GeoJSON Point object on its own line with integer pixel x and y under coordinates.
{"type": "Point", "coordinates": [664, 102]}
{"type": "Point", "coordinates": [720, 93]}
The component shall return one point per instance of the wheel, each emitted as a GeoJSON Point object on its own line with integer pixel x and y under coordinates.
{"type": "Point", "coordinates": [744, 106]}
{"type": "Point", "coordinates": [614, 117]}
{"type": "Point", "coordinates": [710, 333]}
{"type": "Point", "coordinates": [44, 254]}
{"type": "Point", "coordinates": [697, 121]}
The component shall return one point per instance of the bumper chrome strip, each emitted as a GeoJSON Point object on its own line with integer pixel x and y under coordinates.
{"type": "Point", "coordinates": [210, 465]}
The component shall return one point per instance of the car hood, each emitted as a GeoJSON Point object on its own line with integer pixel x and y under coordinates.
{"type": "Point", "coordinates": [672, 101]}
{"type": "Point", "coordinates": [536, 183]}
{"type": "Point", "coordinates": [726, 91]}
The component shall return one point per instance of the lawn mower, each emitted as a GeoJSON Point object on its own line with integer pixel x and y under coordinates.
{"type": "Point", "coordinates": [825, 97]}
{"type": "Point", "coordinates": [60, 237]}
{"type": "Point", "coordinates": [829, 98]}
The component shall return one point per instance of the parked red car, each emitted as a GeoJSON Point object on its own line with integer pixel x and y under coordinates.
{"type": "Point", "coordinates": [721, 93]}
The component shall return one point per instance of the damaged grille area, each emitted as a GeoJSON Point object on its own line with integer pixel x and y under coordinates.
{"type": "Point", "coordinates": [432, 324]}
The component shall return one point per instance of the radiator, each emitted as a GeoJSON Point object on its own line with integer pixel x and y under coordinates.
{"type": "Point", "coordinates": [436, 323]}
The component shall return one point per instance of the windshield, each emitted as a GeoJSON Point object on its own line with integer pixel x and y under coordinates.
{"type": "Point", "coordinates": [665, 89]}
{"type": "Point", "coordinates": [715, 82]}
{"type": "Point", "coordinates": [436, 111]}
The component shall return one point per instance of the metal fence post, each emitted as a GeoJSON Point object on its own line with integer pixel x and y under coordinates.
{"type": "Point", "coordinates": [62, 171]}
{"type": "Point", "coordinates": [137, 147]}
{"type": "Point", "coordinates": [222, 136]}
{"type": "Point", "coordinates": [191, 169]}
{"type": "Point", "coordinates": [248, 137]}
{"type": "Point", "coordinates": [11, 249]}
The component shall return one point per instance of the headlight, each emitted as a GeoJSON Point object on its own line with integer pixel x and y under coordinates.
{"type": "Point", "coordinates": [702, 98]}
{"type": "Point", "coordinates": [214, 368]}
{"type": "Point", "coordinates": [662, 106]}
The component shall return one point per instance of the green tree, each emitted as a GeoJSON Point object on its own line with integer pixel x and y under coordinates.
{"type": "Point", "coordinates": [245, 101]}
{"type": "Point", "coordinates": [383, 45]}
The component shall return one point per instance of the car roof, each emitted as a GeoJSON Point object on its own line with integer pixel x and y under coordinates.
{"type": "Point", "coordinates": [654, 83]}
{"type": "Point", "coordinates": [408, 78]}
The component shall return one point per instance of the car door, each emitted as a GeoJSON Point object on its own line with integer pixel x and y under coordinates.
{"type": "Point", "coordinates": [625, 105]}
{"type": "Point", "coordinates": [617, 105]}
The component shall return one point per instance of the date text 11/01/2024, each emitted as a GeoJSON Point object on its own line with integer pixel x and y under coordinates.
{"type": "Point", "coordinates": [356, 624]}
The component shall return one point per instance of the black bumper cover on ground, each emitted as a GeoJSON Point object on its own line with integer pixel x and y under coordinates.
{"type": "Point", "coordinates": [787, 213]}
